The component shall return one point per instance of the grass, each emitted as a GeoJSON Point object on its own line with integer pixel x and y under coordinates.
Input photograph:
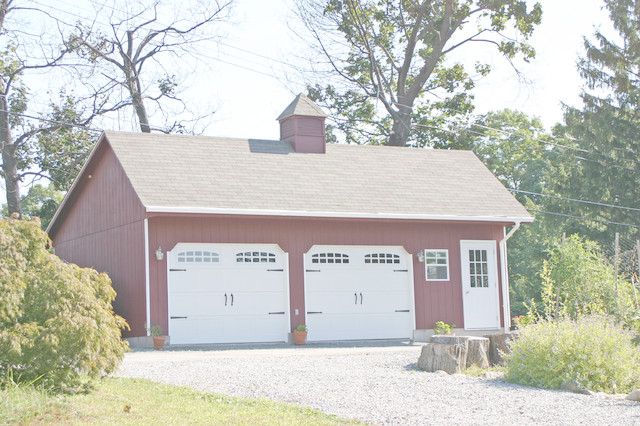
{"type": "Point", "coordinates": [136, 401]}
{"type": "Point", "coordinates": [476, 371]}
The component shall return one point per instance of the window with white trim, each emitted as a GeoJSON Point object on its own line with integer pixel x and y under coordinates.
{"type": "Point", "coordinates": [198, 256]}
{"type": "Point", "coordinates": [255, 257]}
{"type": "Point", "coordinates": [381, 258]}
{"type": "Point", "coordinates": [436, 265]}
{"type": "Point", "coordinates": [329, 258]}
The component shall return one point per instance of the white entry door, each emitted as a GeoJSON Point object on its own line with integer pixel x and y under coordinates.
{"type": "Point", "coordinates": [228, 293]}
{"type": "Point", "coordinates": [480, 285]}
{"type": "Point", "coordinates": [358, 292]}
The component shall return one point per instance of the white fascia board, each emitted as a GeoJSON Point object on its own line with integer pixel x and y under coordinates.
{"type": "Point", "coordinates": [356, 215]}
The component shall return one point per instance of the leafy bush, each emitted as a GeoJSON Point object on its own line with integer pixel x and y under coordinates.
{"type": "Point", "coordinates": [57, 324]}
{"type": "Point", "coordinates": [593, 351]}
{"type": "Point", "coordinates": [578, 280]}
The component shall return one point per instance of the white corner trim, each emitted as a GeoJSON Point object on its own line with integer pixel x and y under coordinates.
{"type": "Point", "coordinates": [147, 284]}
{"type": "Point", "coordinates": [357, 215]}
{"type": "Point", "coordinates": [504, 272]}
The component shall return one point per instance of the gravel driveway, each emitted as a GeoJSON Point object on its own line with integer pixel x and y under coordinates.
{"type": "Point", "coordinates": [378, 384]}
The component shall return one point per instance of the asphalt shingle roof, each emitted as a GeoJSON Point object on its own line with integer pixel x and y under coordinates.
{"type": "Point", "coordinates": [302, 105]}
{"type": "Point", "coordinates": [175, 171]}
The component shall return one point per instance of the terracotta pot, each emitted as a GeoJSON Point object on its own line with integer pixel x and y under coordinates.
{"type": "Point", "coordinates": [299, 337]}
{"type": "Point", "coordinates": [158, 342]}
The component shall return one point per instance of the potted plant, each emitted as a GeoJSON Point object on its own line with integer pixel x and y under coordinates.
{"type": "Point", "coordinates": [300, 334]}
{"type": "Point", "coordinates": [157, 333]}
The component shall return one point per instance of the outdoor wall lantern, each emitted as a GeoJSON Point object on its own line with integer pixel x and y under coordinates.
{"type": "Point", "coordinates": [159, 253]}
{"type": "Point", "coordinates": [420, 256]}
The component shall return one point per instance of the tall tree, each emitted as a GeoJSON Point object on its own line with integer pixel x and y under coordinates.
{"type": "Point", "coordinates": [395, 53]}
{"type": "Point", "coordinates": [605, 131]}
{"type": "Point", "coordinates": [17, 131]}
{"type": "Point", "coordinates": [121, 55]}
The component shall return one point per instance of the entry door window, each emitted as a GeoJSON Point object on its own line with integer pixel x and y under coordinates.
{"type": "Point", "coordinates": [478, 269]}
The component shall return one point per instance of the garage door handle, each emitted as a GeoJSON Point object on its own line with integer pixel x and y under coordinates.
{"type": "Point", "coordinates": [231, 299]}
{"type": "Point", "coordinates": [356, 295]}
{"type": "Point", "coordinates": [309, 313]}
{"type": "Point", "coordinates": [177, 270]}
{"type": "Point", "coordinates": [178, 317]}
{"type": "Point", "coordinates": [225, 299]}
{"type": "Point", "coordinates": [361, 298]}
{"type": "Point", "coordinates": [400, 270]}
{"type": "Point", "coordinates": [312, 270]}
{"type": "Point", "coordinates": [275, 270]}
{"type": "Point", "coordinates": [402, 310]}
{"type": "Point", "coordinates": [276, 313]}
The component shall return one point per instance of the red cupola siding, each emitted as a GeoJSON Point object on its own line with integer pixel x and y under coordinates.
{"type": "Point", "coordinates": [302, 124]}
{"type": "Point", "coordinates": [223, 240]}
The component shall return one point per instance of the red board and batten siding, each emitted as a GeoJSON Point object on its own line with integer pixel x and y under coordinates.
{"type": "Point", "coordinates": [104, 230]}
{"type": "Point", "coordinates": [435, 301]}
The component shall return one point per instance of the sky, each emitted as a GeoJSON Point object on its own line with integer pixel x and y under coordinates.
{"type": "Point", "coordinates": [247, 80]}
{"type": "Point", "coordinates": [552, 77]}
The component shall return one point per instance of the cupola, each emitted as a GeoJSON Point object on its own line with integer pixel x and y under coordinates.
{"type": "Point", "coordinates": [302, 124]}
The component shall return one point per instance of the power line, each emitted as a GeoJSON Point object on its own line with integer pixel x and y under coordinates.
{"type": "Point", "coordinates": [574, 199]}
{"type": "Point", "coordinates": [584, 218]}
{"type": "Point", "coordinates": [539, 148]}
{"type": "Point", "coordinates": [52, 121]}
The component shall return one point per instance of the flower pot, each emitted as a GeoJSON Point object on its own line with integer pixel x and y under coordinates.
{"type": "Point", "coordinates": [299, 337]}
{"type": "Point", "coordinates": [158, 342]}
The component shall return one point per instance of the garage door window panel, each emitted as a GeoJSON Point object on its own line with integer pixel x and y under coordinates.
{"type": "Point", "coordinates": [198, 256]}
{"type": "Point", "coordinates": [255, 257]}
{"type": "Point", "coordinates": [436, 263]}
{"type": "Point", "coordinates": [329, 258]}
{"type": "Point", "coordinates": [381, 258]}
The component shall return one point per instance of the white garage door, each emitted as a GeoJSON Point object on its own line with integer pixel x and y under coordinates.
{"type": "Point", "coordinates": [228, 293]}
{"type": "Point", "coordinates": [358, 292]}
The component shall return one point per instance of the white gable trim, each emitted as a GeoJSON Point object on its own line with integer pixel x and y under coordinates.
{"type": "Point", "coordinates": [356, 215]}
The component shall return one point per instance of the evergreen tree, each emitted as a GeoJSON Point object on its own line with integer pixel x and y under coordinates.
{"type": "Point", "coordinates": [604, 165]}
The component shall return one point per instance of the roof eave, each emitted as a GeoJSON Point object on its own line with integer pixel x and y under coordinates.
{"type": "Point", "coordinates": [354, 215]}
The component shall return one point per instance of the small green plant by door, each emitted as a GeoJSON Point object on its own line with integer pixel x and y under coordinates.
{"type": "Point", "coordinates": [443, 328]}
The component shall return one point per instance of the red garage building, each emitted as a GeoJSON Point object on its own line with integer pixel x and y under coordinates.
{"type": "Point", "coordinates": [235, 240]}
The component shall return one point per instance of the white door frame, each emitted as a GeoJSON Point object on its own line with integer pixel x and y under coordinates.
{"type": "Point", "coordinates": [491, 247]}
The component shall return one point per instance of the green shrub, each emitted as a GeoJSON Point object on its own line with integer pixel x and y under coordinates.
{"type": "Point", "coordinates": [57, 324]}
{"type": "Point", "coordinates": [593, 351]}
{"type": "Point", "coordinates": [578, 280]}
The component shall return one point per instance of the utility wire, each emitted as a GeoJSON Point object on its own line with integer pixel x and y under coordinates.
{"type": "Point", "coordinates": [574, 199]}
{"type": "Point", "coordinates": [538, 148]}
{"type": "Point", "coordinates": [63, 123]}
{"type": "Point", "coordinates": [585, 218]}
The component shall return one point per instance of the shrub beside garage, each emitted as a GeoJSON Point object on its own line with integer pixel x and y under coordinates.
{"type": "Point", "coordinates": [592, 351]}
{"type": "Point", "coordinates": [57, 325]}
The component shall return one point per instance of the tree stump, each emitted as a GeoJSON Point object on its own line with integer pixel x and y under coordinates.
{"type": "Point", "coordinates": [446, 357]}
{"type": "Point", "coordinates": [478, 352]}
{"type": "Point", "coordinates": [499, 344]}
